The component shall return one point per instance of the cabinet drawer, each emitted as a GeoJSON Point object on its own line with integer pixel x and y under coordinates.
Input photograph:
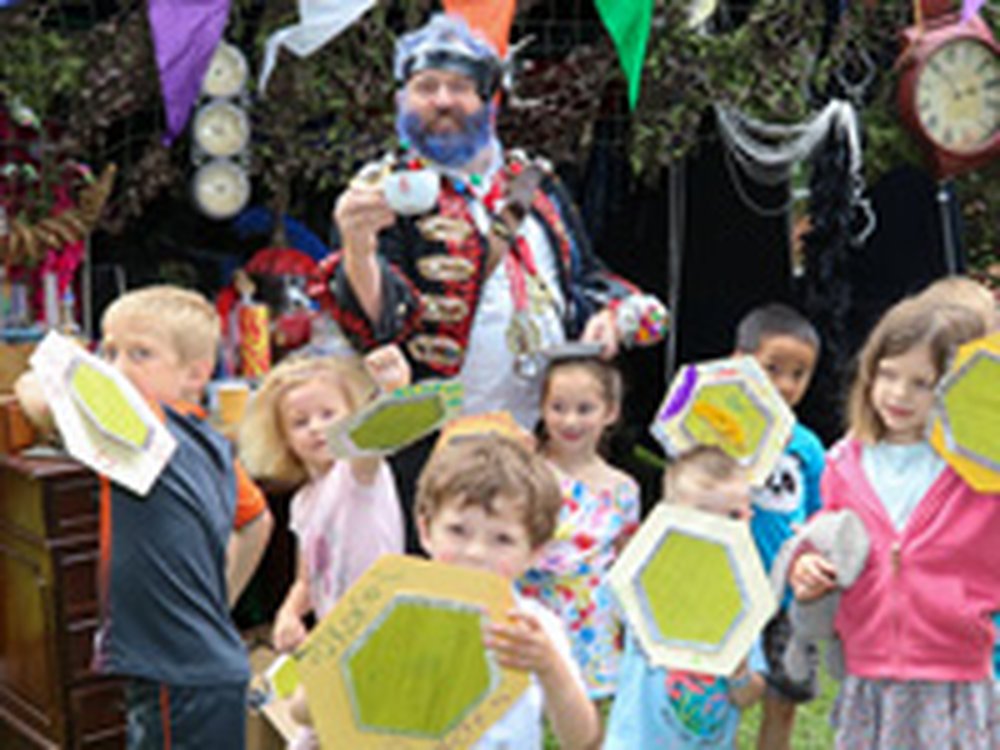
{"type": "Point", "coordinates": [80, 648]}
{"type": "Point", "coordinates": [76, 572]}
{"type": "Point", "coordinates": [72, 506]}
{"type": "Point", "coordinates": [98, 715]}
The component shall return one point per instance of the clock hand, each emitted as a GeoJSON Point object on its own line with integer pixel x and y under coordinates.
{"type": "Point", "coordinates": [955, 93]}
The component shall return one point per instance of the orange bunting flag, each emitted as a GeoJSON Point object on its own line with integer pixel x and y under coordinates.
{"type": "Point", "coordinates": [491, 18]}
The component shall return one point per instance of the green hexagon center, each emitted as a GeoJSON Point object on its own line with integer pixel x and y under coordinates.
{"type": "Point", "coordinates": [420, 670]}
{"type": "Point", "coordinates": [975, 425]}
{"type": "Point", "coordinates": [696, 596]}
{"type": "Point", "coordinates": [726, 415]}
{"type": "Point", "coordinates": [396, 424]}
{"type": "Point", "coordinates": [107, 405]}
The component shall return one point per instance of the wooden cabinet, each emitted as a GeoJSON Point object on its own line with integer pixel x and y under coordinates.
{"type": "Point", "coordinates": [49, 697]}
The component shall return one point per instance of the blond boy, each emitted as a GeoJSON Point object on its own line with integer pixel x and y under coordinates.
{"type": "Point", "coordinates": [174, 559]}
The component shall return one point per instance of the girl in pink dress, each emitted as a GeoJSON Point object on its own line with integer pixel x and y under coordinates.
{"type": "Point", "coordinates": [346, 514]}
{"type": "Point", "coordinates": [581, 399]}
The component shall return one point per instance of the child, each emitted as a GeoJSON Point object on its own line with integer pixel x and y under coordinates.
{"type": "Point", "coordinates": [165, 621]}
{"type": "Point", "coordinates": [581, 399]}
{"type": "Point", "coordinates": [915, 625]}
{"type": "Point", "coordinates": [674, 710]}
{"type": "Point", "coordinates": [347, 514]}
{"type": "Point", "coordinates": [787, 346]}
{"type": "Point", "coordinates": [964, 292]}
{"type": "Point", "coordinates": [487, 502]}
{"type": "Point", "coordinates": [968, 293]}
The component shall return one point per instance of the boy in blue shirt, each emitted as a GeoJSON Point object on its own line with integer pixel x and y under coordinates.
{"type": "Point", "coordinates": [676, 709]}
{"type": "Point", "coordinates": [173, 560]}
{"type": "Point", "coordinates": [787, 346]}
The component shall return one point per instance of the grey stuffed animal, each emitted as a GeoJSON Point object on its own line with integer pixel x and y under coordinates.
{"type": "Point", "coordinates": [841, 538]}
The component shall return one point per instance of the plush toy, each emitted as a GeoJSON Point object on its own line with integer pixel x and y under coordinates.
{"type": "Point", "coordinates": [841, 538]}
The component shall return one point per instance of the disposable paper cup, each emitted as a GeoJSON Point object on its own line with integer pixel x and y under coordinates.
{"type": "Point", "coordinates": [230, 397]}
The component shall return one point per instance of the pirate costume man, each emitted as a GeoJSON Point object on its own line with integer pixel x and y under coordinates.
{"type": "Point", "coordinates": [498, 272]}
{"type": "Point", "coordinates": [501, 268]}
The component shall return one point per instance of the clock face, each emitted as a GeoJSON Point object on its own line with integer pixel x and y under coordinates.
{"type": "Point", "coordinates": [958, 95]}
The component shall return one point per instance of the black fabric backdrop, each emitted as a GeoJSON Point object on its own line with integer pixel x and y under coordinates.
{"type": "Point", "coordinates": [734, 258]}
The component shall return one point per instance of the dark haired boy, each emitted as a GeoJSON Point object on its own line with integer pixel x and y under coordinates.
{"type": "Point", "coordinates": [787, 346]}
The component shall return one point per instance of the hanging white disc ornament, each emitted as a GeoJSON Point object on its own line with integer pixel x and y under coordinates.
{"type": "Point", "coordinates": [221, 189]}
{"type": "Point", "coordinates": [221, 129]}
{"type": "Point", "coordinates": [227, 72]}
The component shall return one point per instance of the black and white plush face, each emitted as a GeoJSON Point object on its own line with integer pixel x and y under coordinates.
{"type": "Point", "coordinates": [782, 493]}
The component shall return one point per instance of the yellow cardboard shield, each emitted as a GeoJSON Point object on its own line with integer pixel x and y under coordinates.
{"type": "Point", "coordinates": [396, 419]}
{"type": "Point", "coordinates": [104, 421]}
{"type": "Point", "coordinates": [730, 403]}
{"type": "Point", "coordinates": [400, 663]}
{"type": "Point", "coordinates": [966, 427]}
{"type": "Point", "coordinates": [693, 590]}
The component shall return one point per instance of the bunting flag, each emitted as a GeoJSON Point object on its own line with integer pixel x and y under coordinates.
{"type": "Point", "coordinates": [628, 23]}
{"type": "Point", "coordinates": [185, 34]}
{"type": "Point", "coordinates": [491, 19]}
{"type": "Point", "coordinates": [319, 22]}
{"type": "Point", "coordinates": [971, 8]}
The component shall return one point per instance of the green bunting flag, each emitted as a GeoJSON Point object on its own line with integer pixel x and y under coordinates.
{"type": "Point", "coordinates": [628, 22]}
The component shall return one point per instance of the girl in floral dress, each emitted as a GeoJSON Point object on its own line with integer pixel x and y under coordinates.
{"type": "Point", "coordinates": [581, 399]}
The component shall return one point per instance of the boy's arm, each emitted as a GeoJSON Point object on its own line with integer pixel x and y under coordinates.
{"type": "Point", "coordinates": [390, 370]}
{"type": "Point", "coordinates": [253, 525]}
{"type": "Point", "coordinates": [30, 396]}
{"type": "Point", "coordinates": [244, 551]}
{"type": "Point", "coordinates": [522, 643]}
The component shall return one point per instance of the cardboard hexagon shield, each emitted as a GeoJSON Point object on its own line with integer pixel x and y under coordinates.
{"type": "Point", "coordinates": [730, 403]}
{"type": "Point", "coordinates": [693, 590]}
{"type": "Point", "coordinates": [966, 426]}
{"type": "Point", "coordinates": [396, 419]}
{"type": "Point", "coordinates": [399, 662]}
{"type": "Point", "coordinates": [102, 418]}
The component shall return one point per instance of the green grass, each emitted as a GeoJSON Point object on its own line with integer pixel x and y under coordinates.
{"type": "Point", "coordinates": [812, 721]}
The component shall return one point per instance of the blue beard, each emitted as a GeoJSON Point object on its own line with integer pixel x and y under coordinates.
{"type": "Point", "coordinates": [447, 149]}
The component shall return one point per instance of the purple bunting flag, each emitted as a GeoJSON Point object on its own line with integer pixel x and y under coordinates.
{"type": "Point", "coordinates": [185, 34]}
{"type": "Point", "coordinates": [970, 8]}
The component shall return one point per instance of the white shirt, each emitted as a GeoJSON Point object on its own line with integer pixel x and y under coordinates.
{"type": "Point", "coordinates": [521, 727]}
{"type": "Point", "coordinates": [487, 374]}
{"type": "Point", "coordinates": [342, 528]}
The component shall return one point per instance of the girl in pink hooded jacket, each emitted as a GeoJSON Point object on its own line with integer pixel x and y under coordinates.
{"type": "Point", "coordinates": [916, 625]}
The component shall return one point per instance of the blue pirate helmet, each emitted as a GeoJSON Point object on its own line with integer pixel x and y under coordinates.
{"type": "Point", "coordinates": [447, 43]}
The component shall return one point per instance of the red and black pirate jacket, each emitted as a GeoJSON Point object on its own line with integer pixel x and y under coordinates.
{"type": "Point", "coordinates": [433, 273]}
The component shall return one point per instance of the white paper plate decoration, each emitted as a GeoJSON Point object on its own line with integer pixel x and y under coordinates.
{"type": "Point", "coordinates": [221, 129]}
{"type": "Point", "coordinates": [221, 189]}
{"type": "Point", "coordinates": [227, 72]}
